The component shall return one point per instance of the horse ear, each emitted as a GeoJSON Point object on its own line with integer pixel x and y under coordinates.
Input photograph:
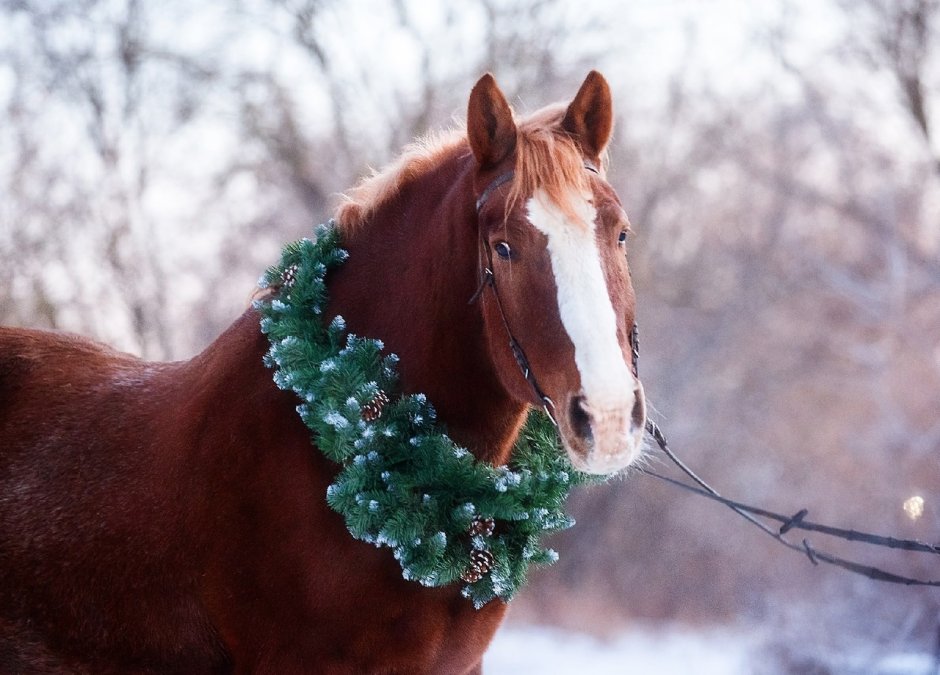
{"type": "Point", "coordinates": [590, 117]}
{"type": "Point", "coordinates": [490, 126]}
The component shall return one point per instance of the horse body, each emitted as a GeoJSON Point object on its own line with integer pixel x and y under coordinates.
{"type": "Point", "coordinates": [145, 456]}
{"type": "Point", "coordinates": [149, 543]}
{"type": "Point", "coordinates": [170, 518]}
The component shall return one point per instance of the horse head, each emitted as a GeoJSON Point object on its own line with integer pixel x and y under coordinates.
{"type": "Point", "coordinates": [553, 239]}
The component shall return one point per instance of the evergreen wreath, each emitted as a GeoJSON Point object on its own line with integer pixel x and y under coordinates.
{"type": "Point", "coordinates": [404, 483]}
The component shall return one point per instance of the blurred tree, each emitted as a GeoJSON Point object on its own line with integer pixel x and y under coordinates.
{"type": "Point", "coordinates": [786, 270]}
{"type": "Point", "coordinates": [901, 37]}
{"type": "Point", "coordinates": [82, 147]}
{"type": "Point", "coordinates": [171, 150]}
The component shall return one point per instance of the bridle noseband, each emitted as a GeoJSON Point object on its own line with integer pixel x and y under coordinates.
{"type": "Point", "coordinates": [488, 279]}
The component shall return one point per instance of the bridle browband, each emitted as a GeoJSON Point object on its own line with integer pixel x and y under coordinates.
{"type": "Point", "coordinates": [500, 180]}
{"type": "Point", "coordinates": [504, 178]}
{"type": "Point", "coordinates": [488, 279]}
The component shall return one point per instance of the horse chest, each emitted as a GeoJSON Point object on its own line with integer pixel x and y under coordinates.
{"type": "Point", "coordinates": [310, 598]}
{"type": "Point", "coordinates": [405, 635]}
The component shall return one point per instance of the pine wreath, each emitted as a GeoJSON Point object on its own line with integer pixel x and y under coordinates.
{"type": "Point", "coordinates": [404, 483]}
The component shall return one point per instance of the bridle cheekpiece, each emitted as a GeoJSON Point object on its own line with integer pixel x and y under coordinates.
{"type": "Point", "coordinates": [488, 279]}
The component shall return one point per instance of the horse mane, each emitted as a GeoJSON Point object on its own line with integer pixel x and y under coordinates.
{"type": "Point", "coordinates": [547, 157]}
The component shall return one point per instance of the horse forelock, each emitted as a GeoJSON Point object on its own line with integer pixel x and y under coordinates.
{"type": "Point", "coordinates": [547, 158]}
{"type": "Point", "coordinates": [550, 160]}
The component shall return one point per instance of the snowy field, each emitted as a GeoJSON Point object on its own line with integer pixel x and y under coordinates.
{"type": "Point", "coordinates": [670, 651]}
{"type": "Point", "coordinates": [550, 651]}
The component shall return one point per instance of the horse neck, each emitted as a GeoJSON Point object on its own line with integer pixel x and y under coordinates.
{"type": "Point", "coordinates": [411, 270]}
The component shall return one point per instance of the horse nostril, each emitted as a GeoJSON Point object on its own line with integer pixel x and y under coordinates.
{"type": "Point", "coordinates": [638, 415]}
{"type": "Point", "coordinates": [580, 420]}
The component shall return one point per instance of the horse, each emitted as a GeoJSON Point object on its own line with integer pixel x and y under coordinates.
{"type": "Point", "coordinates": [169, 517]}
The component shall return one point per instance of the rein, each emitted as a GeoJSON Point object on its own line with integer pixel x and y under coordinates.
{"type": "Point", "coordinates": [795, 522]}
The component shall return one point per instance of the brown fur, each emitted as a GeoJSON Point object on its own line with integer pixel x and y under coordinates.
{"type": "Point", "coordinates": [170, 518]}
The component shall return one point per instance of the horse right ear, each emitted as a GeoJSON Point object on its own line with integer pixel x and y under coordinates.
{"type": "Point", "coordinates": [490, 126]}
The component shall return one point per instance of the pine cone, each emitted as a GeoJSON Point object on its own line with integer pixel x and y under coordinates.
{"type": "Point", "coordinates": [372, 410]}
{"type": "Point", "coordinates": [289, 276]}
{"type": "Point", "coordinates": [482, 526]}
{"type": "Point", "coordinates": [481, 562]}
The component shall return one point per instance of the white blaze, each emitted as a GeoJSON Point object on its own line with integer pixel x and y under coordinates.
{"type": "Point", "coordinates": [584, 304]}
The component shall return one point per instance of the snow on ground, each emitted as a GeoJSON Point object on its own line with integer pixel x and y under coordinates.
{"type": "Point", "coordinates": [644, 650]}
{"type": "Point", "coordinates": [676, 650]}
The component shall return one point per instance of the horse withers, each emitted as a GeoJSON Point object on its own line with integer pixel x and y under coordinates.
{"type": "Point", "coordinates": [170, 517]}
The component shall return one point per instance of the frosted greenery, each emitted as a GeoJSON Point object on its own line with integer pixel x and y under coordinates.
{"type": "Point", "coordinates": [403, 483]}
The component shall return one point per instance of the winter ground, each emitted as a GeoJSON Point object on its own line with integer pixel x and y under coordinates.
{"type": "Point", "coordinates": [653, 651]}
{"type": "Point", "coordinates": [673, 651]}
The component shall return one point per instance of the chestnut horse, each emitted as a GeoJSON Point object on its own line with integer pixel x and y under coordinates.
{"type": "Point", "coordinates": [170, 517]}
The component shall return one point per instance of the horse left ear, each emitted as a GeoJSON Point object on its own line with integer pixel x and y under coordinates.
{"type": "Point", "coordinates": [490, 126]}
{"type": "Point", "coordinates": [590, 117]}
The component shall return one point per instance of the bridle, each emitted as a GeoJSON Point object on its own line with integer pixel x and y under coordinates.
{"type": "Point", "coordinates": [488, 279]}
{"type": "Point", "coordinates": [751, 513]}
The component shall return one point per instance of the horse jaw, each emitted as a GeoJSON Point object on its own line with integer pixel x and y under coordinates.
{"type": "Point", "coordinates": [602, 425]}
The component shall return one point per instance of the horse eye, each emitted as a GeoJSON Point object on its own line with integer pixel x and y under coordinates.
{"type": "Point", "coordinates": [503, 250]}
{"type": "Point", "coordinates": [623, 238]}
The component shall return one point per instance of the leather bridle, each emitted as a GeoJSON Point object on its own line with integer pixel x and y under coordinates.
{"type": "Point", "coordinates": [488, 279]}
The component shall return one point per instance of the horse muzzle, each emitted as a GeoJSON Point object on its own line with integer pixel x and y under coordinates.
{"type": "Point", "coordinates": [604, 437]}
